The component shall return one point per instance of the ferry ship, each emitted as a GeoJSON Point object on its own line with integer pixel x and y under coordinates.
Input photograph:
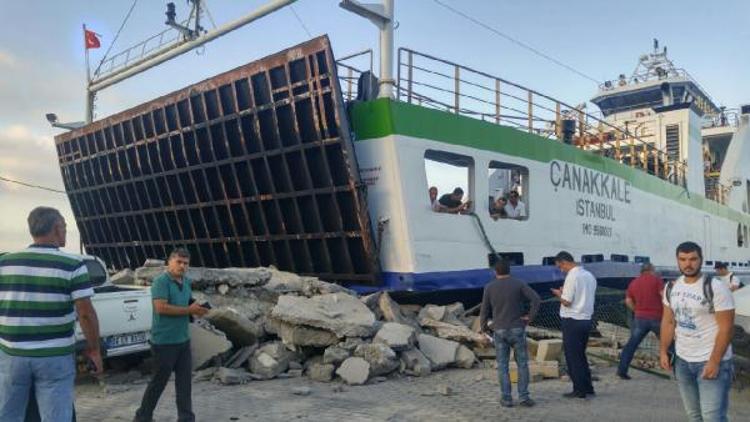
{"type": "Point", "coordinates": [318, 166]}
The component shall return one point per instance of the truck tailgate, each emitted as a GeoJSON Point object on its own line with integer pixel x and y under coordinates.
{"type": "Point", "coordinates": [124, 317]}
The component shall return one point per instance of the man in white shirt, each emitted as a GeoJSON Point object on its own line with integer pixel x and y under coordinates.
{"type": "Point", "coordinates": [728, 277]}
{"type": "Point", "coordinates": [576, 309]}
{"type": "Point", "coordinates": [702, 328]}
{"type": "Point", "coordinates": [515, 208]}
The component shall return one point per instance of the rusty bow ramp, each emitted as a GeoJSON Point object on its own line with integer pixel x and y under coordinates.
{"type": "Point", "coordinates": [252, 167]}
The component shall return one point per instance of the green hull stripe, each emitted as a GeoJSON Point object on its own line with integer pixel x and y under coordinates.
{"type": "Point", "coordinates": [383, 117]}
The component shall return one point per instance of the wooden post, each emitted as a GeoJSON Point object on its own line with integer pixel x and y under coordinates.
{"type": "Point", "coordinates": [558, 121]}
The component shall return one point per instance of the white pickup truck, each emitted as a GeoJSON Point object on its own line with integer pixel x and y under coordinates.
{"type": "Point", "coordinates": [124, 313]}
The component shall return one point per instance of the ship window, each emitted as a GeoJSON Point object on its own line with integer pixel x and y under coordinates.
{"type": "Point", "coordinates": [740, 240]}
{"type": "Point", "coordinates": [508, 191]}
{"type": "Point", "coordinates": [446, 173]}
{"type": "Point", "coordinates": [673, 142]}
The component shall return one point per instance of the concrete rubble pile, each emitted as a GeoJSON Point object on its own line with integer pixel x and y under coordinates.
{"type": "Point", "coordinates": [265, 323]}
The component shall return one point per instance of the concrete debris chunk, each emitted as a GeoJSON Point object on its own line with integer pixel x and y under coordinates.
{"type": "Point", "coordinates": [301, 391]}
{"type": "Point", "coordinates": [342, 314]}
{"type": "Point", "coordinates": [396, 336]}
{"type": "Point", "coordinates": [229, 376]}
{"type": "Point", "coordinates": [449, 331]}
{"type": "Point", "coordinates": [465, 358]}
{"type": "Point", "coordinates": [321, 372]}
{"type": "Point", "coordinates": [153, 262]}
{"type": "Point", "coordinates": [145, 275]}
{"type": "Point", "coordinates": [125, 277]}
{"type": "Point", "coordinates": [549, 349]}
{"type": "Point", "coordinates": [372, 302]}
{"type": "Point", "coordinates": [240, 357]}
{"type": "Point", "coordinates": [301, 335]}
{"type": "Point", "coordinates": [392, 312]}
{"type": "Point", "coordinates": [454, 313]}
{"type": "Point", "coordinates": [205, 344]}
{"type": "Point", "coordinates": [354, 371]}
{"type": "Point", "coordinates": [382, 359]}
{"type": "Point", "coordinates": [204, 375]}
{"type": "Point", "coordinates": [439, 351]}
{"type": "Point", "coordinates": [270, 360]}
{"type": "Point", "coordinates": [335, 355]}
{"type": "Point", "coordinates": [433, 312]}
{"type": "Point", "coordinates": [239, 329]}
{"type": "Point", "coordinates": [414, 362]}
{"type": "Point", "coordinates": [283, 282]}
{"type": "Point", "coordinates": [351, 343]}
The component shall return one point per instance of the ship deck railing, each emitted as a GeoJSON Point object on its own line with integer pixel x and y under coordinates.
{"type": "Point", "coordinates": [437, 83]}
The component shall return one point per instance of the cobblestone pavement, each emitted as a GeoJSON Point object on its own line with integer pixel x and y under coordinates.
{"type": "Point", "coordinates": [474, 398]}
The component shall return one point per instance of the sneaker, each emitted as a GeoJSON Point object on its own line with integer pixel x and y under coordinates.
{"type": "Point", "coordinates": [574, 395]}
{"type": "Point", "coordinates": [624, 376]}
{"type": "Point", "coordinates": [506, 403]}
{"type": "Point", "coordinates": [527, 403]}
{"type": "Point", "coordinates": [591, 393]}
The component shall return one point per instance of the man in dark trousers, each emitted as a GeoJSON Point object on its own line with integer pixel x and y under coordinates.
{"type": "Point", "coordinates": [502, 315]}
{"type": "Point", "coordinates": [576, 309]}
{"type": "Point", "coordinates": [170, 338]}
{"type": "Point", "coordinates": [643, 297]}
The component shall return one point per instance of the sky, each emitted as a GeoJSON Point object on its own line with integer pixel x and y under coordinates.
{"type": "Point", "coordinates": [42, 66]}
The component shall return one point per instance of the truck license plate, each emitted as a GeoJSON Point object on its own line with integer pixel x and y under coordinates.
{"type": "Point", "coordinates": [114, 342]}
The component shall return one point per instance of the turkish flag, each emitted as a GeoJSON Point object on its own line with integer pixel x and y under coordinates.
{"type": "Point", "coordinates": [91, 40]}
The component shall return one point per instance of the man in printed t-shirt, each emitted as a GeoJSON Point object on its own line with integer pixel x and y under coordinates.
{"type": "Point", "coordinates": [702, 328]}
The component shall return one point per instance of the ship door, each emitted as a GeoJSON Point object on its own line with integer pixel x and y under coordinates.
{"type": "Point", "coordinates": [707, 235]}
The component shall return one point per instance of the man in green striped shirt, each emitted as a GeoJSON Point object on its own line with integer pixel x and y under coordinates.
{"type": "Point", "coordinates": [42, 289]}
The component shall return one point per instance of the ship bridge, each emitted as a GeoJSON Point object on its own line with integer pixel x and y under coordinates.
{"type": "Point", "coordinates": [656, 82]}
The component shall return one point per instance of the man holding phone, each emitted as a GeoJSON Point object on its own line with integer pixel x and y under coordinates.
{"type": "Point", "coordinates": [170, 338]}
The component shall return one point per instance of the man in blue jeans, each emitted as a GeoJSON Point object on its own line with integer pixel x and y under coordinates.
{"type": "Point", "coordinates": [501, 313]}
{"type": "Point", "coordinates": [643, 297]}
{"type": "Point", "coordinates": [702, 328]}
{"type": "Point", "coordinates": [42, 289]}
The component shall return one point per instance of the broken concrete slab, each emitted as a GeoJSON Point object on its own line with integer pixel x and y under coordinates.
{"type": "Point", "coordinates": [340, 313]}
{"type": "Point", "coordinates": [354, 371]}
{"type": "Point", "coordinates": [283, 282]}
{"type": "Point", "coordinates": [454, 313]}
{"type": "Point", "coordinates": [465, 358]}
{"type": "Point", "coordinates": [240, 330]}
{"type": "Point", "coordinates": [232, 277]}
{"type": "Point", "coordinates": [396, 336]}
{"type": "Point", "coordinates": [301, 335]}
{"type": "Point", "coordinates": [230, 376]}
{"type": "Point", "coordinates": [414, 362]}
{"type": "Point", "coordinates": [240, 357]}
{"type": "Point", "coordinates": [204, 375]}
{"type": "Point", "coordinates": [439, 351]}
{"type": "Point", "coordinates": [335, 355]}
{"type": "Point", "coordinates": [321, 372]}
{"type": "Point", "coordinates": [548, 350]}
{"type": "Point", "coordinates": [485, 352]}
{"type": "Point", "coordinates": [382, 359]}
{"type": "Point", "coordinates": [453, 332]}
{"type": "Point", "coordinates": [125, 277]}
{"type": "Point", "coordinates": [205, 344]}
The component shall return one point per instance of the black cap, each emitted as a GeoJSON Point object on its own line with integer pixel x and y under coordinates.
{"type": "Point", "coordinates": [719, 264]}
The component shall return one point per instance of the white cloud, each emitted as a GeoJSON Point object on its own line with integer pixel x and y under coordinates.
{"type": "Point", "coordinates": [6, 59]}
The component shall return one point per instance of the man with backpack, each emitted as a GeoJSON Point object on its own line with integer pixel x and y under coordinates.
{"type": "Point", "coordinates": [699, 317]}
{"type": "Point", "coordinates": [723, 274]}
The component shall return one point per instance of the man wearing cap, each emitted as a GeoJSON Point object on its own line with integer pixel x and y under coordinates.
{"type": "Point", "coordinates": [643, 297]}
{"type": "Point", "coordinates": [728, 277]}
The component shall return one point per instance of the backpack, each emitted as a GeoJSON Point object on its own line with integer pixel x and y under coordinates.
{"type": "Point", "coordinates": [708, 293]}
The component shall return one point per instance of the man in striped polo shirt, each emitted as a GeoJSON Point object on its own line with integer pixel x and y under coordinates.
{"type": "Point", "coordinates": [42, 289]}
